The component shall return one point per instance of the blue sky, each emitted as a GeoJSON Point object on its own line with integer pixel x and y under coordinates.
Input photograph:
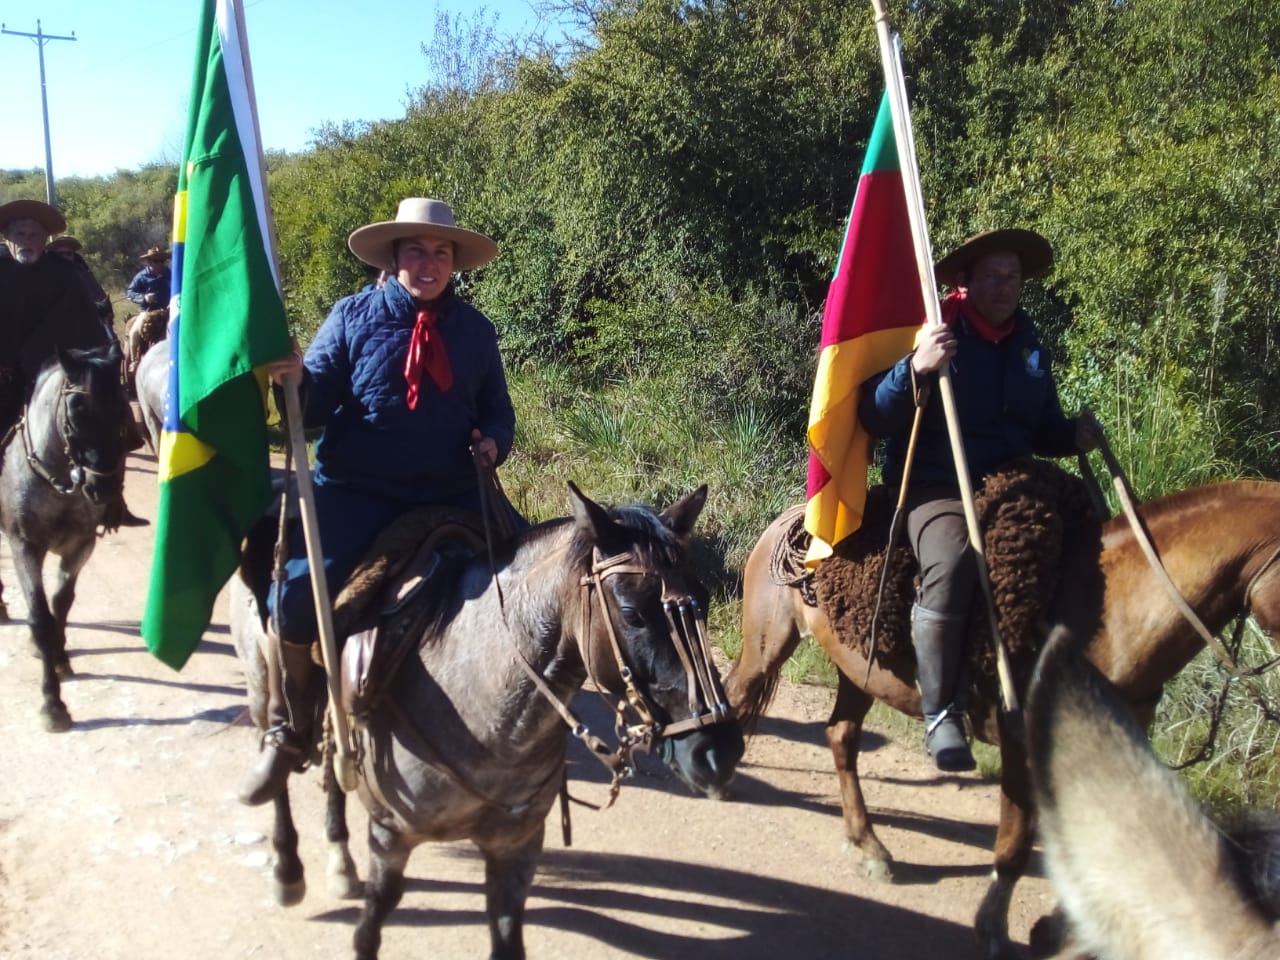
{"type": "Point", "coordinates": [118, 94]}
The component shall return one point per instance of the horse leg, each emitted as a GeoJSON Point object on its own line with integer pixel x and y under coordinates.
{"type": "Point", "coordinates": [770, 634]}
{"type": "Point", "coordinates": [290, 882]}
{"type": "Point", "coordinates": [49, 640]}
{"type": "Point", "coordinates": [1013, 847]}
{"type": "Point", "coordinates": [64, 594]}
{"type": "Point", "coordinates": [844, 731]}
{"type": "Point", "coordinates": [388, 854]}
{"type": "Point", "coordinates": [342, 877]}
{"type": "Point", "coordinates": [508, 877]}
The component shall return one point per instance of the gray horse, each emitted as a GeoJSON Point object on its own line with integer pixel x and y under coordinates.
{"type": "Point", "coordinates": [470, 740]}
{"type": "Point", "coordinates": [63, 463]}
{"type": "Point", "coordinates": [151, 383]}
{"type": "Point", "coordinates": [1140, 871]}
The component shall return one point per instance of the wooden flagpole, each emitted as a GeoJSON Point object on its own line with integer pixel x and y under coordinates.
{"type": "Point", "coordinates": [343, 762]}
{"type": "Point", "coordinates": [895, 86]}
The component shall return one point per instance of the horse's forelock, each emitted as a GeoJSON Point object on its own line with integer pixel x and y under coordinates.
{"type": "Point", "coordinates": [638, 530]}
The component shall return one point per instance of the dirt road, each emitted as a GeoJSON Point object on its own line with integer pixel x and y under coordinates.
{"type": "Point", "coordinates": [123, 839]}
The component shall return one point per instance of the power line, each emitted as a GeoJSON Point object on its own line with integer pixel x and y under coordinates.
{"type": "Point", "coordinates": [41, 38]}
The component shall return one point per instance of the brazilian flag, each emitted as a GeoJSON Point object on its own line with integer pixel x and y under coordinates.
{"type": "Point", "coordinates": [227, 319]}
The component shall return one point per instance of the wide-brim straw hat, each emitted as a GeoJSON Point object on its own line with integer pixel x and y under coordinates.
{"type": "Point", "coordinates": [1032, 249]}
{"type": "Point", "coordinates": [45, 215]}
{"type": "Point", "coordinates": [421, 217]}
{"type": "Point", "coordinates": [65, 242]}
{"type": "Point", "coordinates": [155, 255]}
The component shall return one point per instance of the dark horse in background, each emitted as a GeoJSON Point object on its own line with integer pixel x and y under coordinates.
{"type": "Point", "coordinates": [63, 463]}
{"type": "Point", "coordinates": [468, 744]}
{"type": "Point", "coordinates": [1219, 544]}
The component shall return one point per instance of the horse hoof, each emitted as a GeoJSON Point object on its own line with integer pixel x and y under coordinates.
{"type": "Point", "coordinates": [4, 612]}
{"type": "Point", "coordinates": [342, 879]}
{"type": "Point", "coordinates": [877, 870]}
{"type": "Point", "coordinates": [290, 894]}
{"type": "Point", "coordinates": [57, 719]}
{"type": "Point", "coordinates": [344, 886]}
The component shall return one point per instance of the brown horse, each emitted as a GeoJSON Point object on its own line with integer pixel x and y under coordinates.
{"type": "Point", "coordinates": [1219, 544]}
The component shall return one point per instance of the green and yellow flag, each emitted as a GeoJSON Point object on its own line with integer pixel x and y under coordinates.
{"type": "Point", "coordinates": [226, 319]}
{"type": "Point", "coordinates": [873, 312]}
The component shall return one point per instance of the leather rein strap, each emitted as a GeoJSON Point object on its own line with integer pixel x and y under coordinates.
{"type": "Point", "coordinates": [1125, 495]}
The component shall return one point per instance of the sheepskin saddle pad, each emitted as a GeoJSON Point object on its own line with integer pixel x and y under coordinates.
{"type": "Point", "coordinates": [1027, 512]}
{"type": "Point", "coordinates": [393, 601]}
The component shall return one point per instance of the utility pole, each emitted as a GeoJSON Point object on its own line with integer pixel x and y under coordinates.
{"type": "Point", "coordinates": [41, 38]}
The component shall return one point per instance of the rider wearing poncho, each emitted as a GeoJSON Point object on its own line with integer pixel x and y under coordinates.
{"type": "Point", "coordinates": [404, 379]}
{"type": "Point", "coordinates": [44, 306]}
{"type": "Point", "coordinates": [1007, 406]}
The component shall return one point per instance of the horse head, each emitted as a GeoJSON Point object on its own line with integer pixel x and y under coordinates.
{"type": "Point", "coordinates": [643, 635]}
{"type": "Point", "coordinates": [87, 408]}
{"type": "Point", "coordinates": [1140, 871]}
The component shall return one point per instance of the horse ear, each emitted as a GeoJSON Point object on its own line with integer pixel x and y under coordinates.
{"type": "Point", "coordinates": [589, 516]}
{"type": "Point", "coordinates": [683, 514]}
{"type": "Point", "coordinates": [1110, 862]}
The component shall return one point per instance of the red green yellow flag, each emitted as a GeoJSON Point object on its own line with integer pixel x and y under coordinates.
{"type": "Point", "coordinates": [227, 319]}
{"type": "Point", "coordinates": [874, 310]}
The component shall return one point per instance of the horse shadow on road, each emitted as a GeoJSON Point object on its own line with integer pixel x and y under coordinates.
{"type": "Point", "coordinates": [631, 903]}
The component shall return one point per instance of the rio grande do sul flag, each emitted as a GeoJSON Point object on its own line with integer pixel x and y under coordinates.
{"type": "Point", "coordinates": [874, 310]}
{"type": "Point", "coordinates": [226, 319]}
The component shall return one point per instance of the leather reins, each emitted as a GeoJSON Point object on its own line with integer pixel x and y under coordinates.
{"type": "Point", "coordinates": [1124, 493]}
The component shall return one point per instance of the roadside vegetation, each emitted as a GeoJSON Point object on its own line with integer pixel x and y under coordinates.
{"type": "Point", "coordinates": [669, 193]}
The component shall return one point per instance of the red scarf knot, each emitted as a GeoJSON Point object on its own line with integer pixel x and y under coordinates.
{"type": "Point", "coordinates": [427, 351]}
{"type": "Point", "coordinates": [957, 304]}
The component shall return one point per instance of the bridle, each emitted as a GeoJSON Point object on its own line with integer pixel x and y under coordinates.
{"type": "Point", "coordinates": [687, 623]}
{"type": "Point", "coordinates": [78, 474]}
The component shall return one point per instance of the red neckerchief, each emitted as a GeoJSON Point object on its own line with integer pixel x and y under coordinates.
{"type": "Point", "coordinates": [427, 351]}
{"type": "Point", "coordinates": [957, 303]}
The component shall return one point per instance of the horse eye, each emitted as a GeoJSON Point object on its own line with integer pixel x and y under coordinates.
{"type": "Point", "coordinates": [631, 615]}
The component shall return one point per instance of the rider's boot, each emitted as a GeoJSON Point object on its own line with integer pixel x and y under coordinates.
{"type": "Point", "coordinates": [291, 705]}
{"type": "Point", "coordinates": [939, 641]}
{"type": "Point", "coordinates": [118, 514]}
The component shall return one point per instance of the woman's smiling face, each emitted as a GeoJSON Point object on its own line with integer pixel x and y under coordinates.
{"type": "Point", "coordinates": [424, 265]}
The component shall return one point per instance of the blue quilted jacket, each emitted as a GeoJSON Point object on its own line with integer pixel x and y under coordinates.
{"type": "Point", "coordinates": [1006, 402]}
{"type": "Point", "coordinates": [354, 387]}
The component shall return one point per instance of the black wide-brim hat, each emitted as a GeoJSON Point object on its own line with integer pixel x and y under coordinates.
{"type": "Point", "coordinates": [43, 214]}
{"type": "Point", "coordinates": [1032, 249]}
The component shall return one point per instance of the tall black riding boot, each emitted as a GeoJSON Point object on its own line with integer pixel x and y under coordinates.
{"type": "Point", "coordinates": [291, 705]}
{"type": "Point", "coordinates": [939, 640]}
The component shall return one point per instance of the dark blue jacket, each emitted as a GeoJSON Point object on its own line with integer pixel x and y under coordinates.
{"type": "Point", "coordinates": [144, 283]}
{"type": "Point", "coordinates": [355, 389]}
{"type": "Point", "coordinates": [1006, 403]}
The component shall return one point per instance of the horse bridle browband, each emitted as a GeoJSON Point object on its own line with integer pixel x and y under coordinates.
{"type": "Point", "coordinates": [78, 473]}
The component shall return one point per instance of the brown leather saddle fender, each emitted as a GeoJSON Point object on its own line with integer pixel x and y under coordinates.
{"type": "Point", "coordinates": [397, 614]}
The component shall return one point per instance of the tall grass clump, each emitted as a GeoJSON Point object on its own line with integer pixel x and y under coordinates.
{"type": "Point", "coordinates": [1205, 714]}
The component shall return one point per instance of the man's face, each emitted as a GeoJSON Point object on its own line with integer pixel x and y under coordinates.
{"type": "Point", "coordinates": [424, 265]}
{"type": "Point", "coordinates": [25, 239]}
{"type": "Point", "coordinates": [153, 267]}
{"type": "Point", "coordinates": [995, 284]}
